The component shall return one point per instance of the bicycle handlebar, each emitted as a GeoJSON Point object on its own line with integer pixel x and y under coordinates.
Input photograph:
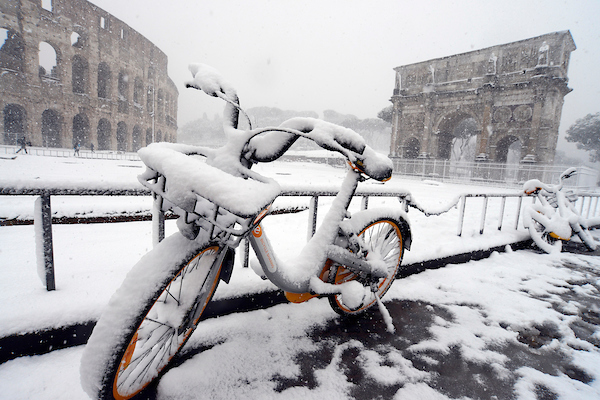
{"type": "Point", "coordinates": [268, 144]}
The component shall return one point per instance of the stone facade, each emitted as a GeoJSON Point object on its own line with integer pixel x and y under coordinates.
{"type": "Point", "coordinates": [511, 92]}
{"type": "Point", "coordinates": [74, 74]}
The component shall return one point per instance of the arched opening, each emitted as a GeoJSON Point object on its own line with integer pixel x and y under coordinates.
{"type": "Point", "coordinates": [122, 136]}
{"type": "Point", "coordinates": [123, 89]}
{"type": "Point", "coordinates": [51, 132]}
{"type": "Point", "coordinates": [159, 136]}
{"type": "Point", "coordinates": [457, 137]}
{"type": "Point", "coordinates": [14, 123]}
{"type": "Point", "coordinates": [81, 130]}
{"type": "Point", "coordinates": [138, 92]}
{"type": "Point", "coordinates": [79, 74]}
{"type": "Point", "coordinates": [148, 136]}
{"type": "Point", "coordinates": [78, 40]}
{"type": "Point", "coordinates": [12, 50]}
{"type": "Point", "coordinates": [464, 142]}
{"type": "Point", "coordinates": [103, 81]}
{"type": "Point", "coordinates": [136, 138]}
{"type": "Point", "coordinates": [48, 61]}
{"type": "Point", "coordinates": [104, 135]}
{"type": "Point", "coordinates": [508, 150]}
{"type": "Point", "coordinates": [412, 148]}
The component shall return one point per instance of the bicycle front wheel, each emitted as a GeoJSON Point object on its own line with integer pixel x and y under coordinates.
{"type": "Point", "coordinates": [150, 318]}
{"type": "Point", "coordinates": [540, 236]}
{"type": "Point", "coordinates": [384, 238]}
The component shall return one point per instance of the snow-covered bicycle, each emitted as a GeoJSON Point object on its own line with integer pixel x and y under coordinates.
{"type": "Point", "coordinates": [352, 259]}
{"type": "Point", "coordinates": [553, 218]}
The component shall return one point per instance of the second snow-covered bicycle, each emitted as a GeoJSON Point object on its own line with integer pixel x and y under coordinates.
{"type": "Point", "coordinates": [553, 217]}
{"type": "Point", "coordinates": [220, 200]}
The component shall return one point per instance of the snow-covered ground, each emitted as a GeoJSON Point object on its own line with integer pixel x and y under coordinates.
{"type": "Point", "coordinates": [474, 313]}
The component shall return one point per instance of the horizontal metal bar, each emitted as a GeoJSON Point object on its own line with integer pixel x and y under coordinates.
{"type": "Point", "coordinates": [73, 192]}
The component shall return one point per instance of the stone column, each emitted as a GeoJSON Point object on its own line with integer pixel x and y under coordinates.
{"type": "Point", "coordinates": [532, 140]}
{"type": "Point", "coordinates": [426, 149]}
{"type": "Point", "coordinates": [486, 122]}
{"type": "Point", "coordinates": [396, 121]}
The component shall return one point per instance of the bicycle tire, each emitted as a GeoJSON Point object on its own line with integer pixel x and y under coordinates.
{"type": "Point", "coordinates": [148, 319]}
{"type": "Point", "coordinates": [384, 236]}
{"type": "Point", "coordinates": [541, 237]}
{"type": "Point", "coordinates": [587, 239]}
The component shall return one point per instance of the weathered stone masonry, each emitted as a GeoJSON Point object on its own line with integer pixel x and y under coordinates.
{"type": "Point", "coordinates": [108, 86]}
{"type": "Point", "coordinates": [513, 92]}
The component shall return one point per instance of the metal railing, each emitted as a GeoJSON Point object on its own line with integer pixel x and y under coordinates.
{"type": "Point", "coordinates": [11, 151]}
{"type": "Point", "coordinates": [486, 172]}
{"type": "Point", "coordinates": [588, 204]}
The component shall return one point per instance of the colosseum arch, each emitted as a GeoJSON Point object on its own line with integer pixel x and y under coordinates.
{"type": "Point", "coordinates": [15, 123]}
{"type": "Point", "coordinates": [136, 138]}
{"type": "Point", "coordinates": [122, 136]}
{"type": "Point", "coordinates": [81, 130]}
{"type": "Point", "coordinates": [48, 59]}
{"type": "Point", "coordinates": [104, 81]}
{"type": "Point", "coordinates": [12, 50]}
{"type": "Point", "coordinates": [149, 136]}
{"type": "Point", "coordinates": [104, 134]}
{"type": "Point", "coordinates": [138, 92]}
{"type": "Point", "coordinates": [51, 128]}
{"type": "Point", "coordinates": [512, 90]}
{"type": "Point", "coordinates": [79, 74]}
{"type": "Point", "coordinates": [90, 45]}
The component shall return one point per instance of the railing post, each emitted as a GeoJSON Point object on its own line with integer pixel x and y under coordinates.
{"type": "Point", "coordinates": [364, 204]}
{"type": "Point", "coordinates": [461, 214]}
{"type": "Point", "coordinates": [312, 216]}
{"type": "Point", "coordinates": [43, 234]}
{"type": "Point", "coordinates": [158, 220]}
{"type": "Point", "coordinates": [501, 218]}
{"type": "Point", "coordinates": [483, 214]}
{"type": "Point", "coordinates": [519, 211]}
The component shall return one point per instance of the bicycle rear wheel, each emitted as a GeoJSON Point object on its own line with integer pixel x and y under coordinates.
{"type": "Point", "coordinates": [150, 318]}
{"type": "Point", "coordinates": [541, 237]}
{"type": "Point", "coordinates": [587, 239]}
{"type": "Point", "coordinates": [384, 238]}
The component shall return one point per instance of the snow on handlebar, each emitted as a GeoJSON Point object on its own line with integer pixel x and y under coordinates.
{"type": "Point", "coordinates": [268, 144]}
{"type": "Point", "coordinates": [271, 145]}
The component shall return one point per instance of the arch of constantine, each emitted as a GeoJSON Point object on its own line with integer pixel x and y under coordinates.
{"type": "Point", "coordinates": [73, 74]}
{"type": "Point", "coordinates": [504, 94]}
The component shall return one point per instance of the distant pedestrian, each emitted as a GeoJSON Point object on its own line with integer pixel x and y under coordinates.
{"type": "Point", "coordinates": [76, 148]}
{"type": "Point", "coordinates": [23, 142]}
{"type": "Point", "coordinates": [92, 147]}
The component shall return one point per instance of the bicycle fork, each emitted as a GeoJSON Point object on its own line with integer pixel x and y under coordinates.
{"type": "Point", "coordinates": [272, 268]}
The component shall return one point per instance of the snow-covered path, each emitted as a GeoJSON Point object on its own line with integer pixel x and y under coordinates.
{"type": "Point", "coordinates": [516, 325]}
{"type": "Point", "coordinates": [465, 330]}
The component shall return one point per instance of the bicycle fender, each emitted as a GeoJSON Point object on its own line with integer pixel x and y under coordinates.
{"type": "Point", "coordinates": [227, 267]}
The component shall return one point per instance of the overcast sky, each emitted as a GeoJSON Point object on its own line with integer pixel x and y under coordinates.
{"type": "Point", "coordinates": [334, 54]}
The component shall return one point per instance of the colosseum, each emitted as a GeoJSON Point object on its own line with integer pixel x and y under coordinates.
{"type": "Point", "coordinates": [73, 74]}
